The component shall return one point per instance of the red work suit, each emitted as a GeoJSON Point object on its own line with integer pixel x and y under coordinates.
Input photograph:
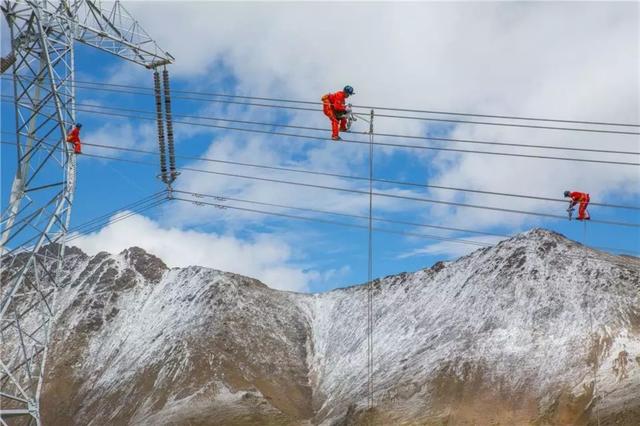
{"type": "Point", "coordinates": [74, 138]}
{"type": "Point", "coordinates": [583, 199]}
{"type": "Point", "coordinates": [333, 107]}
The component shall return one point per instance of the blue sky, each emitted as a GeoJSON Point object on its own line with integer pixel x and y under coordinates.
{"type": "Point", "coordinates": [495, 58]}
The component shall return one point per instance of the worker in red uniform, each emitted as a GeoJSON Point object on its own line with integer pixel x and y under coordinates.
{"type": "Point", "coordinates": [334, 107]}
{"type": "Point", "coordinates": [582, 198]}
{"type": "Point", "coordinates": [74, 138]}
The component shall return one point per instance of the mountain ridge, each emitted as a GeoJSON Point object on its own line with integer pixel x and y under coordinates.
{"type": "Point", "coordinates": [537, 329]}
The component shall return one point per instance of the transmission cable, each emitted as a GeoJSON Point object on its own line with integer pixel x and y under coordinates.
{"type": "Point", "coordinates": [253, 104]}
{"type": "Point", "coordinates": [222, 206]}
{"type": "Point", "coordinates": [390, 135]}
{"type": "Point", "coordinates": [352, 177]}
{"type": "Point", "coordinates": [421, 147]}
{"type": "Point", "coordinates": [405, 197]}
{"type": "Point", "coordinates": [343, 214]}
{"type": "Point", "coordinates": [93, 108]}
{"type": "Point", "coordinates": [104, 87]}
{"type": "Point", "coordinates": [151, 198]}
{"type": "Point", "coordinates": [223, 198]}
{"type": "Point", "coordinates": [125, 216]}
{"type": "Point", "coordinates": [227, 95]}
{"type": "Point", "coordinates": [353, 141]}
{"type": "Point", "coordinates": [330, 222]}
{"type": "Point", "coordinates": [131, 206]}
{"type": "Point", "coordinates": [379, 194]}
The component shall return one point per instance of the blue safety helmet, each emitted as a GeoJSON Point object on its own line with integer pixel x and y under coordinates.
{"type": "Point", "coordinates": [78, 125]}
{"type": "Point", "coordinates": [349, 90]}
{"type": "Point", "coordinates": [567, 193]}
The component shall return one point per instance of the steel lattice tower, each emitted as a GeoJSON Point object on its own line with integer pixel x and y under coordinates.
{"type": "Point", "coordinates": [36, 220]}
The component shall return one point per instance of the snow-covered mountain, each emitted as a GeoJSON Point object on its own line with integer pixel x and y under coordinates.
{"type": "Point", "coordinates": [535, 330]}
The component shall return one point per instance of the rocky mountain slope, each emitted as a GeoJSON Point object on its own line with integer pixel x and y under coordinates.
{"type": "Point", "coordinates": [535, 330]}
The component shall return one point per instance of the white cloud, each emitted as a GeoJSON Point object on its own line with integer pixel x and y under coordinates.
{"type": "Point", "coordinates": [413, 54]}
{"type": "Point", "coordinates": [266, 258]}
{"type": "Point", "coordinates": [121, 135]}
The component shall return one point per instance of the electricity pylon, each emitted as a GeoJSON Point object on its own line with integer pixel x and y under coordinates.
{"type": "Point", "coordinates": [36, 219]}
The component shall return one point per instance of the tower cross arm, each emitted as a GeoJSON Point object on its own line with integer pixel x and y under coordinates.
{"type": "Point", "coordinates": [108, 26]}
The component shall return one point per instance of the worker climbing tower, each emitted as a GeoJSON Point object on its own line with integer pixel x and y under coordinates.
{"type": "Point", "coordinates": [37, 214]}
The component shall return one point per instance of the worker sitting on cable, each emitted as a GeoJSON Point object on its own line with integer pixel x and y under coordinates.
{"type": "Point", "coordinates": [74, 138]}
{"type": "Point", "coordinates": [583, 199]}
{"type": "Point", "coordinates": [333, 107]}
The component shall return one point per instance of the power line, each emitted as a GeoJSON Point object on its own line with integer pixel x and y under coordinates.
{"type": "Point", "coordinates": [379, 194]}
{"type": "Point", "coordinates": [317, 210]}
{"type": "Point", "coordinates": [223, 198]}
{"type": "Point", "coordinates": [405, 197]}
{"type": "Point", "coordinates": [159, 198]}
{"type": "Point", "coordinates": [342, 176]}
{"type": "Point", "coordinates": [509, 117]}
{"type": "Point", "coordinates": [331, 222]}
{"type": "Point", "coordinates": [127, 215]}
{"type": "Point", "coordinates": [390, 135]}
{"type": "Point", "coordinates": [516, 145]}
{"type": "Point", "coordinates": [529, 126]}
{"type": "Point", "coordinates": [352, 177]}
{"type": "Point", "coordinates": [90, 224]}
{"type": "Point", "coordinates": [99, 222]}
{"type": "Point", "coordinates": [227, 95]}
{"type": "Point", "coordinates": [443, 120]}
{"type": "Point", "coordinates": [103, 87]}
{"type": "Point", "coordinates": [252, 104]}
{"type": "Point", "coordinates": [421, 147]}
{"type": "Point", "coordinates": [329, 212]}
{"type": "Point", "coordinates": [151, 198]}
